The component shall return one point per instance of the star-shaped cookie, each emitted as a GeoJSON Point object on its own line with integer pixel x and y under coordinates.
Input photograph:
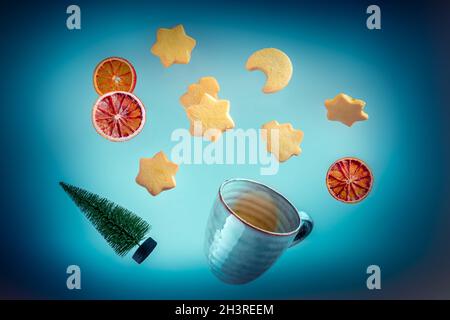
{"type": "Point", "coordinates": [210, 117]}
{"type": "Point", "coordinates": [288, 142]}
{"type": "Point", "coordinates": [345, 109]}
{"type": "Point", "coordinates": [157, 174]}
{"type": "Point", "coordinates": [196, 91]}
{"type": "Point", "coordinates": [173, 46]}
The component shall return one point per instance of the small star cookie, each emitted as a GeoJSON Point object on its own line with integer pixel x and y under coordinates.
{"type": "Point", "coordinates": [157, 174]}
{"type": "Point", "coordinates": [173, 46]}
{"type": "Point", "coordinates": [196, 91]}
{"type": "Point", "coordinates": [288, 143]}
{"type": "Point", "coordinates": [345, 109]}
{"type": "Point", "coordinates": [210, 117]}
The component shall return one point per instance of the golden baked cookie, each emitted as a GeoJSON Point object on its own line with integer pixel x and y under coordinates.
{"type": "Point", "coordinates": [345, 109]}
{"type": "Point", "coordinates": [196, 91]}
{"type": "Point", "coordinates": [212, 115]}
{"type": "Point", "coordinates": [157, 174]}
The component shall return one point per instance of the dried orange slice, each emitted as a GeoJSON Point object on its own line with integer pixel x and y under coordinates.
{"type": "Point", "coordinates": [349, 180]}
{"type": "Point", "coordinates": [118, 116]}
{"type": "Point", "coordinates": [114, 74]}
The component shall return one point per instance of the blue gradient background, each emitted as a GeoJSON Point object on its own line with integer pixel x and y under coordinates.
{"type": "Point", "coordinates": [47, 136]}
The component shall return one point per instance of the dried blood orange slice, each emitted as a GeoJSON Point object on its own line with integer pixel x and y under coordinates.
{"type": "Point", "coordinates": [114, 74]}
{"type": "Point", "coordinates": [349, 180]}
{"type": "Point", "coordinates": [118, 116]}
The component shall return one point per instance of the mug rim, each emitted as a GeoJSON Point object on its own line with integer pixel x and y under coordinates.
{"type": "Point", "coordinates": [295, 231]}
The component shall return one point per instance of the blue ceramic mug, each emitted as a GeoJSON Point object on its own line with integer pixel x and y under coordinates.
{"type": "Point", "coordinates": [249, 227]}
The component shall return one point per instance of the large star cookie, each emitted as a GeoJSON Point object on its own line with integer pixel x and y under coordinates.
{"type": "Point", "coordinates": [210, 117]}
{"type": "Point", "coordinates": [157, 174]}
{"type": "Point", "coordinates": [345, 109]}
{"type": "Point", "coordinates": [196, 91]}
{"type": "Point", "coordinates": [173, 46]}
{"type": "Point", "coordinates": [288, 142]}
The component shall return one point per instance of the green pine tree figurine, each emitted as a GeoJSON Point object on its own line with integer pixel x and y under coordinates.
{"type": "Point", "coordinates": [120, 227]}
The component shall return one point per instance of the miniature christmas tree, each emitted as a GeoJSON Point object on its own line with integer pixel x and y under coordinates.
{"type": "Point", "coordinates": [121, 228]}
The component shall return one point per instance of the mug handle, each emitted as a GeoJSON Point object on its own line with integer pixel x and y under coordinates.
{"type": "Point", "coordinates": [306, 227]}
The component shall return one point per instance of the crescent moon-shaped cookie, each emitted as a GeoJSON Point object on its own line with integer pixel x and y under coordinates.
{"type": "Point", "coordinates": [275, 64]}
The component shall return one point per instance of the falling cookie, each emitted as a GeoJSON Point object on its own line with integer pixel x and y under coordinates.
{"type": "Point", "coordinates": [118, 116]}
{"type": "Point", "coordinates": [288, 143]}
{"type": "Point", "coordinates": [173, 46]}
{"type": "Point", "coordinates": [196, 91]}
{"type": "Point", "coordinates": [114, 74]}
{"type": "Point", "coordinates": [212, 115]}
{"type": "Point", "coordinates": [345, 109]}
{"type": "Point", "coordinates": [120, 227]}
{"type": "Point", "coordinates": [157, 174]}
{"type": "Point", "coordinates": [275, 64]}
